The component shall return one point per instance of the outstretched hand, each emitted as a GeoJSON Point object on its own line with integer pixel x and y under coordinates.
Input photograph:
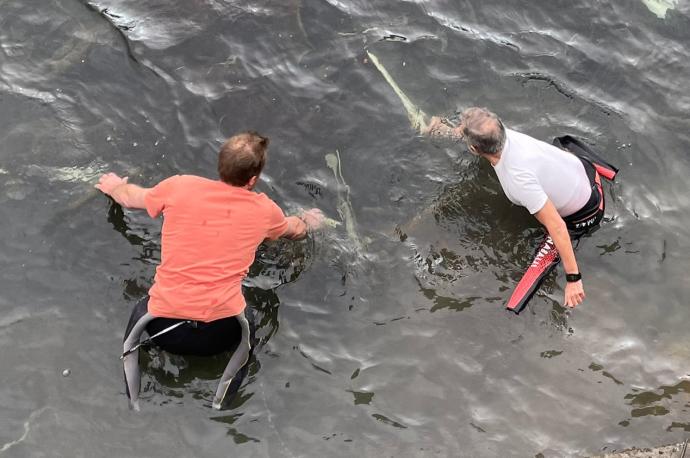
{"type": "Point", "coordinates": [574, 294]}
{"type": "Point", "coordinates": [109, 181]}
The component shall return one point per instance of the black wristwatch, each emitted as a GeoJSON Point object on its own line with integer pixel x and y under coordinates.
{"type": "Point", "coordinates": [572, 278]}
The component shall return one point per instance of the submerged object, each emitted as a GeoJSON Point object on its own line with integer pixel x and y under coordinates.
{"type": "Point", "coordinates": [416, 116]}
{"type": "Point", "coordinates": [659, 7]}
{"type": "Point", "coordinates": [345, 210]}
{"type": "Point", "coordinates": [330, 222]}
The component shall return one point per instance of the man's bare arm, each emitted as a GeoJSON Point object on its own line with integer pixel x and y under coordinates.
{"type": "Point", "coordinates": [549, 217]}
{"type": "Point", "coordinates": [299, 226]}
{"type": "Point", "coordinates": [296, 230]}
{"type": "Point", "coordinates": [126, 194]}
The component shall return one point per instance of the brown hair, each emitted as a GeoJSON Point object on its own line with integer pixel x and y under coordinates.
{"type": "Point", "coordinates": [242, 157]}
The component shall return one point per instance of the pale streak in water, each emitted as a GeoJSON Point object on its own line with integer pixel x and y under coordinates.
{"type": "Point", "coordinates": [86, 177]}
{"type": "Point", "coordinates": [416, 116]}
{"type": "Point", "coordinates": [27, 430]}
{"type": "Point", "coordinates": [659, 7]}
{"type": "Point", "coordinates": [344, 205]}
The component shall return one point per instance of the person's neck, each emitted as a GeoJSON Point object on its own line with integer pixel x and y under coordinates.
{"type": "Point", "coordinates": [493, 159]}
{"type": "Point", "coordinates": [247, 187]}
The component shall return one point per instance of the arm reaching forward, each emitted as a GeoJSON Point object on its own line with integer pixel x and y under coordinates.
{"type": "Point", "coordinates": [549, 217]}
{"type": "Point", "coordinates": [298, 226]}
{"type": "Point", "coordinates": [126, 194]}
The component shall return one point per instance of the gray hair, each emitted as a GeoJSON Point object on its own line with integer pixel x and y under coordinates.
{"type": "Point", "coordinates": [483, 130]}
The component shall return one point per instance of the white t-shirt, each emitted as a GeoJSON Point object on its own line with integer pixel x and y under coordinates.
{"type": "Point", "coordinates": [530, 171]}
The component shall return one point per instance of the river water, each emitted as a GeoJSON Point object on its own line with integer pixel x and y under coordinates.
{"type": "Point", "coordinates": [383, 337]}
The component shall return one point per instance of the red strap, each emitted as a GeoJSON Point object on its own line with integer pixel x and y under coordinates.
{"type": "Point", "coordinates": [605, 172]}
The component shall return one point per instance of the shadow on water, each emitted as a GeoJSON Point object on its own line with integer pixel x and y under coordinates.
{"type": "Point", "coordinates": [469, 234]}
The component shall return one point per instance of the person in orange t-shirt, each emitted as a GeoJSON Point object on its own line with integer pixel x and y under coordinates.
{"type": "Point", "coordinates": [211, 230]}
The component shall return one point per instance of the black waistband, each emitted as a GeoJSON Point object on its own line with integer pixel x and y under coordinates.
{"type": "Point", "coordinates": [593, 204]}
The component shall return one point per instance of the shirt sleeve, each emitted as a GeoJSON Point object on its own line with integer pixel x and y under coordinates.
{"type": "Point", "coordinates": [529, 192]}
{"type": "Point", "coordinates": [277, 223]}
{"type": "Point", "coordinates": [159, 196]}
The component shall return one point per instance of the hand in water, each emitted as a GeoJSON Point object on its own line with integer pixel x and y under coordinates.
{"type": "Point", "coordinates": [574, 293]}
{"type": "Point", "coordinates": [438, 128]}
{"type": "Point", "coordinates": [435, 127]}
{"type": "Point", "coordinates": [313, 218]}
{"type": "Point", "coordinates": [109, 181]}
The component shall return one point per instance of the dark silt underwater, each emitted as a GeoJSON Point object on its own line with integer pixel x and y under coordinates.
{"type": "Point", "coordinates": [385, 336]}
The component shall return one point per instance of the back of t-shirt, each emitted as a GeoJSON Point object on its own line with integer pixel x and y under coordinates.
{"type": "Point", "coordinates": [210, 234]}
{"type": "Point", "coordinates": [530, 171]}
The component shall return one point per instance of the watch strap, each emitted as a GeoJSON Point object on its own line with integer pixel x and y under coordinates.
{"type": "Point", "coordinates": [572, 278]}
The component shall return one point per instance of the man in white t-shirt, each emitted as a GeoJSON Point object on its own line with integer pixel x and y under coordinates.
{"type": "Point", "coordinates": [551, 183]}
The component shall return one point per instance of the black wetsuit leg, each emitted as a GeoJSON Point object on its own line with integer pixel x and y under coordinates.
{"type": "Point", "coordinates": [139, 310]}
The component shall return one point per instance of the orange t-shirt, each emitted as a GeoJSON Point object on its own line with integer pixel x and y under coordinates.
{"type": "Point", "coordinates": [210, 234]}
